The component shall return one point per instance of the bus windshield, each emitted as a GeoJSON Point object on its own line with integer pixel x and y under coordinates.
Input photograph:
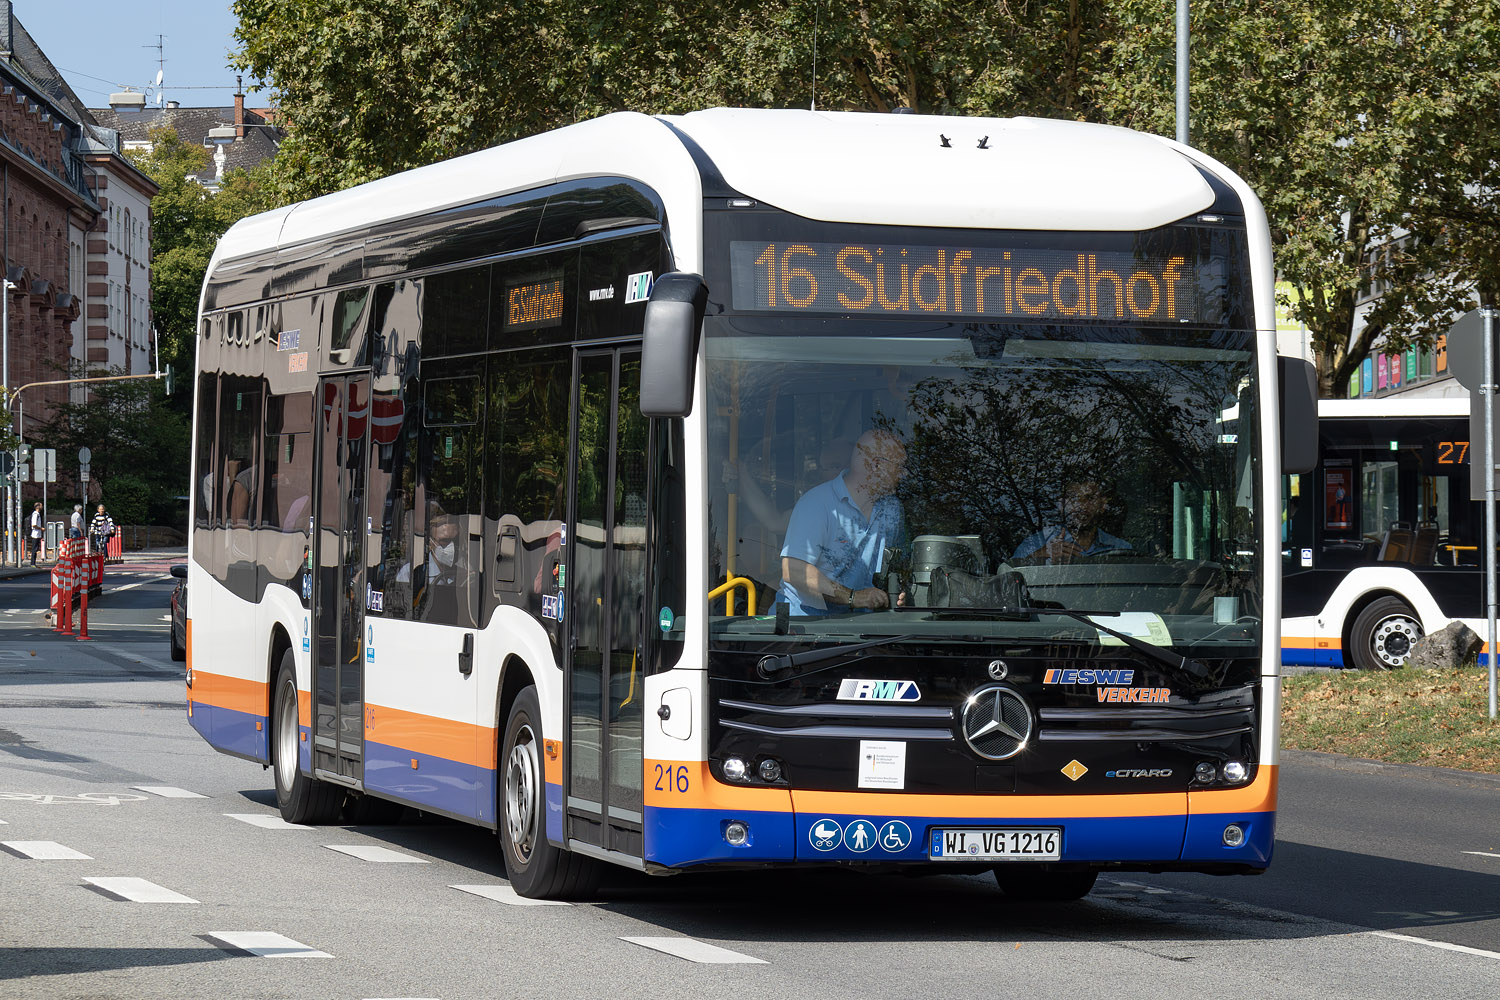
{"type": "Point", "coordinates": [961, 479]}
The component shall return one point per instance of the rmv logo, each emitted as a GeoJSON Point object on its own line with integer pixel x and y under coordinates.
{"type": "Point", "coordinates": [857, 690]}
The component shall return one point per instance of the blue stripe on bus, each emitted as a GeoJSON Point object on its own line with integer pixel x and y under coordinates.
{"type": "Point", "coordinates": [1205, 838]}
{"type": "Point", "coordinates": [1294, 657]}
{"type": "Point", "coordinates": [686, 837]}
{"type": "Point", "coordinates": [461, 790]}
{"type": "Point", "coordinates": [232, 731]}
{"type": "Point", "coordinates": [554, 812]}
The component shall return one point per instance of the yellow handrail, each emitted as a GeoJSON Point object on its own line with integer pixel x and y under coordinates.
{"type": "Point", "coordinates": [735, 583]}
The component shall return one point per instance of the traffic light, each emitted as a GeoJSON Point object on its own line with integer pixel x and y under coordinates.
{"type": "Point", "coordinates": [25, 452]}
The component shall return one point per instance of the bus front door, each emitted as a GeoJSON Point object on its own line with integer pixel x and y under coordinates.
{"type": "Point", "coordinates": [338, 610]}
{"type": "Point", "coordinates": [605, 588]}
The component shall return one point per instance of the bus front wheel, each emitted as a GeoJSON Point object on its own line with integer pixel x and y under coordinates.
{"type": "Point", "coordinates": [537, 868]}
{"type": "Point", "coordinates": [1383, 634]}
{"type": "Point", "coordinates": [301, 799]}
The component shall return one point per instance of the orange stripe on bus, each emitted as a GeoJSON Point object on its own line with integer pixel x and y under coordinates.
{"type": "Point", "coordinates": [1258, 796]}
{"type": "Point", "coordinates": [1302, 642]}
{"type": "Point", "coordinates": [552, 768]}
{"type": "Point", "coordinates": [1001, 806]}
{"type": "Point", "coordinates": [688, 784]}
{"type": "Point", "coordinates": [461, 742]}
{"type": "Point", "coordinates": [234, 693]}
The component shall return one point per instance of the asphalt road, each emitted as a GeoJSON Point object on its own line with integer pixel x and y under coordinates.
{"type": "Point", "coordinates": [1386, 881]}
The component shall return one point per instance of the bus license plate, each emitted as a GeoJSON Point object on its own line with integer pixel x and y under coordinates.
{"type": "Point", "coordinates": [996, 844]}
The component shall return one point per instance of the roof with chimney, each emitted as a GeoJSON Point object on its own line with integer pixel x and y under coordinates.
{"type": "Point", "coordinates": [256, 139]}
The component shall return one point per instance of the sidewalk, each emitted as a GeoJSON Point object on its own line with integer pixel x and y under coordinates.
{"type": "Point", "coordinates": [144, 561]}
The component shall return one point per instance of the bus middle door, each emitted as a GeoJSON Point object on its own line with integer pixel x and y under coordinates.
{"type": "Point", "coordinates": [338, 611]}
{"type": "Point", "coordinates": [604, 604]}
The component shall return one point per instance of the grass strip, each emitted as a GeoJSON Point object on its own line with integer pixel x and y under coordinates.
{"type": "Point", "coordinates": [1435, 717]}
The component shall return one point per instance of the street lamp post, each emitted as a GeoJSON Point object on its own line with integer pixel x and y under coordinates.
{"type": "Point", "coordinates": [12, 517]}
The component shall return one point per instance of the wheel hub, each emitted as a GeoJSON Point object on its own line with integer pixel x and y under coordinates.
{"type": "Point", "coordinates": [521, 794]}
{"type": "Point", "coordinates": [1393, 639]}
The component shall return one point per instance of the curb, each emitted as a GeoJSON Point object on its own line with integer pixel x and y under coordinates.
{"type": "Point", "coordinates": [1340, 762]}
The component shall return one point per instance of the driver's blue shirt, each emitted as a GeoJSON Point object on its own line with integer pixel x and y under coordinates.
{"type": "Point", "coordinates": [828, 530]}
{"type": "Point", "coordinates": [1103, 542]}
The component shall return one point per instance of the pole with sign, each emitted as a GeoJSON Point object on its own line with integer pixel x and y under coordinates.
{"type": "Point", "coordinates": [1472, 339]}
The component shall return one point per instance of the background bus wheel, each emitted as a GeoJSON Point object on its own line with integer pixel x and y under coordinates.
{"type": "Point", "coordinates": [1045, 886]}
{"type": "Point", "coordinates": [300, 798]}
{"type": "Point", "coordinates": [536, 868]}
{"type": "Point", "coordinates": [1383, 634]}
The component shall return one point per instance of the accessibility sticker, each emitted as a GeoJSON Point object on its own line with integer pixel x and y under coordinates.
{"type": "Point", "coordinates": [895, 836]}
{"type": "Point", "coordinates": [859, 836]}
{"type": "Point", "coordinates": [825, 835]}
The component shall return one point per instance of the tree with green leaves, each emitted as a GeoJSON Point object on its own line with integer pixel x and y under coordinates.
{"type": "Point", "coordinates": [1368, 127]}
{"type": "Point", "coordinates": [131, 431]}
{"type": "Point", "coordinates": [186, 222]}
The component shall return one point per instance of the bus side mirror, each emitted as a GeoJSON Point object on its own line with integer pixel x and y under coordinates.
{"type": "Point", "coordinates": [1298, 384]}
{"type": "Point", "coordinates": [674, 316]}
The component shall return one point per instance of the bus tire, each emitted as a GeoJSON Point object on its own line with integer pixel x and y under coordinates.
{"type": "Point", "coordinates": [537, 868]}
{"type": "Point", "coordinates": [1044, 886]}
{"type": "Point", "coordinates": [1383, 633]}
{"type": "Point", "coordinates": [301, 798]}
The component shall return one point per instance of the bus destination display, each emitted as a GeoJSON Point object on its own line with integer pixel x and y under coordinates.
{"type": "Point", "coordinates": [895, 280]}
{"type": "Point", "coordinates": [535, 304]}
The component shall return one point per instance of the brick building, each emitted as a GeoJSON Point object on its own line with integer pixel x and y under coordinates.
{"type": "Point", "coordinates": [45, 196]}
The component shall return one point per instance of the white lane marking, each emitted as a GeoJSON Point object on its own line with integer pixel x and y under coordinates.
{"type": "Point", "coordinates": [266, 944]}
{"type": "Point", "coordinates": [2, 822]}
{"type": "Point", "coordinates": [137, 890]}
{"type": "Point", "coordinates": [168, 791]}
{"type": "Point", "coordinates": [369, 852]}
{"type": "Point", "coordinates": [266, 822]}
{"type": "Point", "coordinates": [1444, 945]}
{"type": "Point", "coordinates": [505, 894]}
{"type": "Point", "coordinates": [43, 850]}
{"type": "Point", "coordinates": [131, 586]}
{"type": "Point", "coordinates": [695, 951]}
{"type": "Point", "coordinates": [1483, 854]}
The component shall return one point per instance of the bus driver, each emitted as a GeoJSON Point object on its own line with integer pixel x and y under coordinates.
{"type": "Point", "coordinates": [840, 529]}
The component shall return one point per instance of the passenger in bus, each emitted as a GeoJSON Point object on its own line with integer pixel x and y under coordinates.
{"type": "Point", "coordinates": [839, 532]}
{"type": "Point", "coordinates": [1078, 535]}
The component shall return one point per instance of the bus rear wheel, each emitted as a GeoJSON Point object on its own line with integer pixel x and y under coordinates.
{"type": "Point", "coordinates": [1383, 634]}
{"type": "Point", "coordinates": [537, 868]}
{"type": "Point", "coordinates": [1044, 886]}
{"type": "Point", "coordinates": [301, 799]}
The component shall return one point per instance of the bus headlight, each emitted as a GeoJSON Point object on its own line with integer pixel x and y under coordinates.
{"type": "Point", "coordinates": [736, 833]}
{"type": "Point", "coordinates": [770, 770]}
{"type": "Point", "coordinates": [735, 769]}
{"type": "Point", "coordinates": [1234, 835]}
{"type": "Point", "coordinates": [1235, 772]}
{"type": "Point", "coordinates": [1205, 773]}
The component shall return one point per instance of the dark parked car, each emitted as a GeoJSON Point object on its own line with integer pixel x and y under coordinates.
{"type": "Point", "coordinates": [179, 612]}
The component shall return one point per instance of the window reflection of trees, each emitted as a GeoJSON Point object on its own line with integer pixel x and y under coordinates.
{"type": "Point", "coordinates": [992, 448]}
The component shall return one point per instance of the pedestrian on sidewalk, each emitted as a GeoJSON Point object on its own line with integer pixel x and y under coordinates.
{"type": "Point", "coordinates": [101, 529]}
{"type": "Point", "coordinates": [36, 531]}
{"type": "Point", "coordinates": [75, 523]}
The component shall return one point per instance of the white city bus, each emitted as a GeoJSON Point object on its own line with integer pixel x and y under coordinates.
{"type": "Point", "coordinates": [495, 462]}
{"type": "Point", "coordinates": [1381, 542]}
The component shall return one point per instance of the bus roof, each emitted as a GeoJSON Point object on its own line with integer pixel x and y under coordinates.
{"type": "Point", "coordinates": [1011, 173]}
{"type": "Point", "coordinates": [1397, 406]}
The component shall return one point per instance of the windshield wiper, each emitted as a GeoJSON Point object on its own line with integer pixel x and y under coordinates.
{"type": "Point", "coordinates": [1189, 669]}
{"type": "Point", "coordinates": [791, 664]}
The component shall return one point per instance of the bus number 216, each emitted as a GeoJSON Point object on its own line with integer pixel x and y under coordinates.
{"type": "Point", "coordinates": [676, 778]}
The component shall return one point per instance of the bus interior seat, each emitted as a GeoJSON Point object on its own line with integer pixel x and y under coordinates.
{"type": "Point", "coordinates": [1424, 547]}
{"type": "Point", "coordinates": [1396, 545]}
